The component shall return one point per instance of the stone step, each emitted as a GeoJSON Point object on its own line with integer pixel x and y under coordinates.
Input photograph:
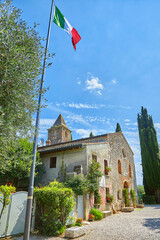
{"type": "Point", "coordinates": [74, 232]}
{"type": "Point", "coordinates": [139, 206]}
{"type": "Point", "coordinates": [85, 223]}
{"type": "Point", "coordinates": [106, 213]}
{"type": "Point", "coordinates": [127, 209]}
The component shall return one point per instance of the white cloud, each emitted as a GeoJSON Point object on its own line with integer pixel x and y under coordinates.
{"type": "Point", "coordinates": [79, 82]}
{"type": "Point", "coordinates": [127, 120]}
{"type": "Point", "coordinates": [114, 81]}
{"type": "Point", "coordinates": [99, 93]}
{"type": "Point", "coordinates": [81, 105]}
{"type": "Point", "coordinates": [69, 116]}
{"type": "Point", "coordinates": [131, 124]}
{"type": "Point", "coordinates": [157, 125]}
{"type": "Point", "coordinates": [85, 132]}
{"type": "Point", "coordinates": [46, 121]}
{"type": "Point", "coordinates": [94, 85]}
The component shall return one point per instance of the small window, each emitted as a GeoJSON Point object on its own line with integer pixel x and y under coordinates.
{"type": "Point", "coordinates": [105, 165]}
{"type": "Point", "coordinates": [78, 169]}
{"type": "Point", "coordinates": [107, 190]}
{"type": "Point", "coordinates": [94, 158]}
{"type": "Point", "coordinates": [124, 152]}
{"type": "Point", "coordinates": [130, 171]}
{"type": "Point", "coordinates": [53, 162]}
{"type": "Point", "coordinates": [118, 194]}
{"type": "Point", "coordinates": [119, 167]}
{"type": "Point", "coordinates": [66, 134]}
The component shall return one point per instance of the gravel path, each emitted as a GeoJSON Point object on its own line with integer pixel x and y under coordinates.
{"type": "Point", "coordinates": [142, 224]}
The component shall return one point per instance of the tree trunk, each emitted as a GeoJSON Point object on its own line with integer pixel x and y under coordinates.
{"type": "Point", "coordinates": [157, 195]}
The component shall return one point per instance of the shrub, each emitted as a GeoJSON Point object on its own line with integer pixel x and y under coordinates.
{"type": "Point", "coordinates": [98, 199]}
{"type": "Point", "coordinates": [149, 199]}
{"type": "Point", "coordinates": [53, 205]}
{"type": "Point", "coordinates": [78, 224]}
{"type": "Point", "coordinates": [98, 215]}
{"type": "Point", "coordinates": [6, 191]}
{"type": "Point", "coordinates": [125, 196]}
{"type": "Point", "coordinates": [78, 184]}
{"type": "Point", "coordinates": [93, 176]}
{"type": "Point", "coordinates": [133, 197]}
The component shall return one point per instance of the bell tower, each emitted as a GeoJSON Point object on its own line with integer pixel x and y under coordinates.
{"type": "Point", "coordinates": [59, 132]}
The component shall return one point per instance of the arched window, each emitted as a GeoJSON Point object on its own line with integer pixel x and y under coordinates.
{"type": "Point", "coordinates": [123, 152]}
{"type": "Point", "coordinates": [119, 167]}
{"type": "Point", "coordinates": [130, 171]}
{"type": "Point", "coordinates": [105, 165]}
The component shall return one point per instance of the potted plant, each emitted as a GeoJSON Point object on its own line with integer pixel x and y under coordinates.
{"type": "Point", "coordinates": [109, 198]}
{"type": "Point", "coordinates": [107, 170]}
{"type": "Point", "coordinates": [79, 222]}
{"type": "Point", "coordinates": [91, 217]}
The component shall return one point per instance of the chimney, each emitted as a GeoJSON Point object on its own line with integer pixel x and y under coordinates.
{"type": "Point", "coordinates": [48, 142]}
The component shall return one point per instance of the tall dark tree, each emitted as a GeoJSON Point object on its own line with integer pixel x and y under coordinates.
{"type": "Point", "coordinates": [118, 128]}
{"type": "Point", "coordinates": [149, 154]}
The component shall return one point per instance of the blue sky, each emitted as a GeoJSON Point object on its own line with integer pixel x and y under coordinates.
{"type": "Point", "coordinates": [115, 70]}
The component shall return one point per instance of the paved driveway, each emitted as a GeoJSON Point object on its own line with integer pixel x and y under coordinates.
{"type": "Point", "coordinates": [142, 224]}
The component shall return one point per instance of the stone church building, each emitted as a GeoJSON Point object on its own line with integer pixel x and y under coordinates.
{"type": "Point", "coordinates": [110, 150]}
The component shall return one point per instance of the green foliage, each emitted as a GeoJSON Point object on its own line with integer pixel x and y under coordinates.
{"type": "Point", "coordinates": [16, 168]}
{"type": "Point", "coordinates": [78, 224]}
{"type": "Point", "coordinates": [118, 128]}
{"type": "Point", "coordinates": [93, 176]}
{"type": "Point", "coordinates": [78, 184]}
{"type": "Point", "coordinates": [109, 198]}
{"type": "Point", "coordinates": [125, 196]}
{"type": "Point", "coordinates": [149, 153]}
{"type": "Point", "coordinates": [54, 203]}
{"type": "Point", "coordinates": [90, 183]}
{"type": "Point", "coordinates": [149, 199]}
{"type": "Point", "coordinates": [5, 192]}
{"type": "Point", "coordinates": [98, 215]}
{"type": "Point", "coordinates": [63, 172]}
{"type": "Point", "coordinates": [91, 135]}
{"type": "Point", "coordinates": [133, 197]}
{"type": "Point", "coordinates": [21, 54]}
{"type": "Point", "coordinates": [108, 169]}
{"type": "Point", "coordinates": [98, 198]}
{"type": "Point", "coordinates": [140, 189]}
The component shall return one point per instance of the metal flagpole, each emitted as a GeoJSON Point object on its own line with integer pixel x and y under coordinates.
{"type": "Point", "coordinates": [31, 180]}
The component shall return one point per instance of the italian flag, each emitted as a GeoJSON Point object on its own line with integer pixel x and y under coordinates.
{"type": "Point", "coordinates": [62, 22]}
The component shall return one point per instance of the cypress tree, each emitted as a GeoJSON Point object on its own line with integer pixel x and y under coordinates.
{"type": "Point", "coordinates": [149, 154]}
{"type": "Point", "coordinates": [91, 135]}
{"type": "Point", "coordinates": [118, 128]}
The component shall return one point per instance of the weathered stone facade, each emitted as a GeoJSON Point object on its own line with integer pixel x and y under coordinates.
{"type": "Point", "coordinates": [59, 132]}
{"type": "Point", "coordinates": [111, 149]}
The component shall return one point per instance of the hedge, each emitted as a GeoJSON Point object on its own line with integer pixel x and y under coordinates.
{"type": "Point", "coordinates": [53, 205]}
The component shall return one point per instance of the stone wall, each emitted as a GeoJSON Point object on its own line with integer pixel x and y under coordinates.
{"type": "Point", "coordinates": [119, 146]}
{"type": "Point", "coordinates": [70, 157]}
{"type": "Point", "coordinates": [58, 134]}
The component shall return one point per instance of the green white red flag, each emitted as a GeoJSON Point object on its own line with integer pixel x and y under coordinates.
{"type": "Point", "coordinates": [62, 22]}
